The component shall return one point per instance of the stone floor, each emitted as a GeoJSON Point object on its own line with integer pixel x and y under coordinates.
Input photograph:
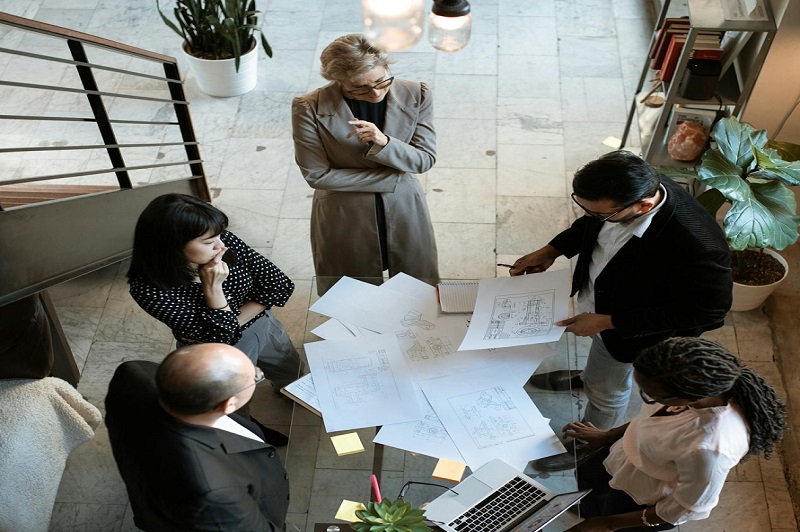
{"type": "Point", "coordinates": [532, 98]}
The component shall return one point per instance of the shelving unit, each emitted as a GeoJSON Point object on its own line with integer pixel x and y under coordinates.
{"type": "Point", "coordinates": [733, 89]}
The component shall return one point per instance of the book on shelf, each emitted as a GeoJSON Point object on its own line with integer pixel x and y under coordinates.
{"type": "Point", "coordinates": [670, 27]}
{"type": "Point", "coordinates": [457, 296]}
{"type": "Point", "coordinates": [303, 392]}
{"type": "Point", "coordinates": [704, 41]}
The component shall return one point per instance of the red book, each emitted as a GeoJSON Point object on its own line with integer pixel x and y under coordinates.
{"type": "Point", "coordinates": [671, 57]}
{"type": "Point", "coordinates": [707, 53]}
{"type": "Point", "coordinates": [679, 27]}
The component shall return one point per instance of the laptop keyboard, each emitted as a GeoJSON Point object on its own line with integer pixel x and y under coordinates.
{"type": "Point", "coordinates": [501, 510]}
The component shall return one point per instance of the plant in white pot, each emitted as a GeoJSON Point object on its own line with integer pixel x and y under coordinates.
{"type": "Point", "coordinates": [219, 39]}
{"type": "Point", "coordinates": [753, 175]}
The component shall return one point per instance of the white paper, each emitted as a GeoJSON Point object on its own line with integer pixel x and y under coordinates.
{"type": "Point", "coordinates": [425, 436]}
{"type": "Point", "coordinates": [519, 310]}
{"type": "Point", "coordinates": [488, 414]}
{"type": "Point", "coordinates": [410, 286]}
{"type": "Point", "coordinates": [303, 388]}
{"type": "Point", "coordinates": [363, 382]}
{"type": "Point", "coordinates": [744, 10]}
{"type": "Point", "coordinates": [334, 329]}
{"type": "Point", "coordinates": [359, 303]}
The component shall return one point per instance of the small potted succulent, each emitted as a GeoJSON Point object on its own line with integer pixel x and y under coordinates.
{"type": "Point", "coordinates": [753, 176]}
{"type": "Point", "coordinates": [388, 516]}
{"type": "Point", "coordinates": [220, 42]}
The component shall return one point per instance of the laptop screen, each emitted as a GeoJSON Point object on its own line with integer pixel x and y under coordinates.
{"type": "Point", "coordinates": [547, 513]}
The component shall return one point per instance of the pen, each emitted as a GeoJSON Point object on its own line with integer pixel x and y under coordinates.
{"type": "Point", "coordinates": [505, 265]}
{"type": "Point", "coordinates": [375, 488]}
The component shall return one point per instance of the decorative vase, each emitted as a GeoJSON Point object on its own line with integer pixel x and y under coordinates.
{"type": "Point", "coordinates": [218, 77]}
{"type": "Point", "coordinates": [748, 297]}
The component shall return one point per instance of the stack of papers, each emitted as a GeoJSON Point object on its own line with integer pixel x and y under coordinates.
{"type": "Point", "coordinates": [448, 386]}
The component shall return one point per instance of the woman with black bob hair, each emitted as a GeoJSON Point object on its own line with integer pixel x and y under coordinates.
{"type": "Point", "coordinates": [207, 285]}
{"type": "Point", "coordinates": [703, 414]}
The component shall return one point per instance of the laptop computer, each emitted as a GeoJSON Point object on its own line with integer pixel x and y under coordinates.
{"type": "Point", "coordinates": [498, 498]}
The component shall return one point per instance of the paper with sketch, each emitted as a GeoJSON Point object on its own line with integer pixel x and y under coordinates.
{"type": "Point", "coordinates": [519, 310]}
{"type": "Point", "coordinates": [488, 414]}
{"type": "Point", "coordinates": [362, 382]}
{"type": "Point", "coordinates": [334, 329]}
{"type": "Point", "coordinates": [425, 436]}
{"type": "Point", "coordinates": [432, 353]}
{"type": "Point", "coordinates": [302, 390]}
{"type": "Point", "coordinates": [359, 303]}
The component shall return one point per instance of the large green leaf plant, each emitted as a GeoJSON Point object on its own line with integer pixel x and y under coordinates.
{"type": "Point", "coordinates": [754, 176]}
{"type": "Point", "coordinates": [217, 29]}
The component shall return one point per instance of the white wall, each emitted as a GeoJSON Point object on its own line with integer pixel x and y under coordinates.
{"type": "Point", "coordinates": [778, 86]}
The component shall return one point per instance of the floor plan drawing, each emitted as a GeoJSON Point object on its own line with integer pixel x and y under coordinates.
{"type": "Point", "coordinates": [490, 417]}
{"type": "Point", "coordinates": [521, 315]}
{"type": "Point", "coordinates": [360, 378]}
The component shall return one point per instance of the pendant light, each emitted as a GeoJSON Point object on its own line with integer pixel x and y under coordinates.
{"type": "Point", "coordinates": [394, 24]}
{"type": "Point", "coordinates": [450, 25]}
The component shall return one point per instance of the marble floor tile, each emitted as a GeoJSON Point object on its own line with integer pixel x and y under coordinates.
{"type": "Point", "coordinates": [479, 57]}
{"type": "Point", "coordinates": [94, 517]}
{"type": "Point", "coordinates": [529, 121]}
{"type": "Point", "coordinates": [575, 59]}
{"type": "Point", "coordinates": [466, 251]}
{"type": "Point", "coordinates": [531, 170]}
{"type": "Point", "coordinates": [583, 141]}
{"type": "Point", "coordinates": [593, 99]}
{"type": "Point", "coordinates": [585, 18]}
{"type": "Point", "coordinates": [417, 66]}
{"type": "Point", "coordinates": [264, 115]}
{"type": "Point", "coordinates": [123, 320]}
{"type": "Point", "coordinates": [525, 224]}
{"type": "Point", "coordinates": [256, 164]}
{"type": "Point", "coordinates": [634, 38]}
{"type": "Point", "coordinates": [80, 326]}
{"type": "Point", "coordinates": [281, 24]}
{"type": "Point", "coordinates": [90, 290]}
{"type": "Point", "coordinates": [515, 8]}
{"type": "Point", "coordinates": [297, 197]}
{"type": "Point", "coordinates": [292, 250]}
{"type": "Point", "coordinates": [461, 195]}
{"type": "Point", "coordinates": [779, 502]}
{"type": "Point", "coordinates": [742, 507]}
{"type": "Point", "coordinates": [528, 36]}
{"type": "Point", "coordinates": [278, 75]}
{"type": "Point", "coordinates": [253, 214]}
{"type": "Point", "coordinates": [521, 76]}
{"type": "Point", "coordinates": [465, 143]}
{"type": "Point", "coordinates": [753, 336]}
{"type": "Point", "coordinates": [472, 97]}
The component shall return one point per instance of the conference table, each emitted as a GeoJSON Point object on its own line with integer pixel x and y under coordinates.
{"type": "Point", "coordinates": [321, 480]}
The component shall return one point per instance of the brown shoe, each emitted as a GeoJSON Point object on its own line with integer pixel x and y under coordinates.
{"type": "Point", "coordinates": [560, 381]}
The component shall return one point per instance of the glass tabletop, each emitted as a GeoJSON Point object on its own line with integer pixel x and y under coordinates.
{"type": "Point", "coordinates": [321, 479]}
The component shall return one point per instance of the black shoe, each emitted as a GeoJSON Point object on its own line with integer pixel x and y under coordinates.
{"type": "Point", "coordinates": [560, 381]}
{"type": "Point", "coordinates": [271, 436]}
{"type": "Point", "coordinates": [568, 460]}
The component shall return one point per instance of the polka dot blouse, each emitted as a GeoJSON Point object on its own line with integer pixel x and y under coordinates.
{"type": "Point", "coordinates": [183, 308]}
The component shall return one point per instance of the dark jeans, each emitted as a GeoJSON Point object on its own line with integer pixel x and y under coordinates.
{"type": "Point", "coordinates": [605, 500]}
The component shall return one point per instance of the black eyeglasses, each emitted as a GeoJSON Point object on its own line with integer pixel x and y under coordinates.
{"type": "Point", "coordinates": [362, 91]}
{"type": "Point", "coordinates": [600, 216]}
{"type": "Point", "coordinates": [653, 400]}
{"type": "Point", "coordinates": [408, 484]}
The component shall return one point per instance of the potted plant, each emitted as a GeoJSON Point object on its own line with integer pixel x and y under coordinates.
{"type": "Point", "coordinates": [397, 516]}
{"type": "Point", "coordinates": [219, 42]}
{"type": "Point", "coordinates": [753, 176]}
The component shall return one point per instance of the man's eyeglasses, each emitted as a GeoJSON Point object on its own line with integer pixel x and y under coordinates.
{"type": "Point", "coordinates": [653, 400]}
{"type": "Point", "coordinates": [363, 91]}
{"type": "Point", "coordinates": [410, 483]}
{"type": "Point", "coordinates": [259, 376]}
{"type": "Point", "coordinates": [599, 215]}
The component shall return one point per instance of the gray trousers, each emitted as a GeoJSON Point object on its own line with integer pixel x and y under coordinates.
{"type": "Point", "coordinates": [267, 345]}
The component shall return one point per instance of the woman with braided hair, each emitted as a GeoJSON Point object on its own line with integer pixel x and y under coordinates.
{"type": "Point", "coordinates": [703, 413]}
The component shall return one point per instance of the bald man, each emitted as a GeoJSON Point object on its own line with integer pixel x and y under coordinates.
{"type": "Point", "coordinates": [188, 461]}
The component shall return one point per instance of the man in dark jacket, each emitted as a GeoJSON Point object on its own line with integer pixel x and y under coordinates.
{"type": "Point", "coordinates": [189, 462]}
{"type": "Point", "coordinates": [652, 264]}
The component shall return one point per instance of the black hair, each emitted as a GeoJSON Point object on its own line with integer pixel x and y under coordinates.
{"type": "Point", "coordinates": [695, 368]}
{"type": "Point", "coordinates": [164, 228]}
{"type": "Point", "coordinates": [619, 176]}
{"type": "Point", "coordinates": [198, 394]}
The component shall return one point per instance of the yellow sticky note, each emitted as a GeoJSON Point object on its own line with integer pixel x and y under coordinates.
{"type": "Point", "coordinates": [449, 470]}
{"type": "Point", "coordinates": [347, 444]}
{"type": "Point", "coordinates": [347, 511]}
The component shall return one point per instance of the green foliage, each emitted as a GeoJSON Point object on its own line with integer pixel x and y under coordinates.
{"type": "Point", "coordinates": [217, 29]}
{"type": "Point", "coordinates": [754, 176]}
{"type": "Point", "coordinates": [388, 516]}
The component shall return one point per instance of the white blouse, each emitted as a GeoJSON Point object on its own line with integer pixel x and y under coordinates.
{"type": "Point", "coordinates": [678, 462]}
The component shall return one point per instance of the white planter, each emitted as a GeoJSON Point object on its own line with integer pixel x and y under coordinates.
{"type": "Point", "coordinates": [219, 77]}
{"type": "Point", "coordinates": [746, 297]}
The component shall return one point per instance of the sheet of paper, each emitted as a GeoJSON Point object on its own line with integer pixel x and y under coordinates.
{"type": "Point", "coordinates": [334, 329]}
{"type": "Point", "coordinates": [345, 444]}
{"type": "Point", "coordinates": [347, 511]}
{"type": "Point", "coordinates": [410, 286]}
{"type": "Point", "coordinates": [362, 382]}
{"type": "Point", "coordinates": [449, 470]}
{"type": "Point", "coordinates": [519, 310]}
{"type": "Point", "coordinates": [359, 303]}
{"type": "Point", "coordinates": [488, 414]}
{"type": "Point", "coordinates": [424, 436]}
{"type": "Point", "coordinates": [303, 389]}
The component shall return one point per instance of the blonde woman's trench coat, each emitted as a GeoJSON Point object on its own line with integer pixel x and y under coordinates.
{"type": "Point", "coordinates": [346, 174]}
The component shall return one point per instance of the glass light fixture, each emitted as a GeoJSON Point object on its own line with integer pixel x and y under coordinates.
{"type": "Point", "coordinates": [394, 24]}
{"type": "Point", "coordinates": [450, 25]}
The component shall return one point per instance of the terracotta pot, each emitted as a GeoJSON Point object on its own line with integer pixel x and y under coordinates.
{"type": "Point", "coordinates": [218, 77]}
{"type": "Point", "coordinates": [747, 297]}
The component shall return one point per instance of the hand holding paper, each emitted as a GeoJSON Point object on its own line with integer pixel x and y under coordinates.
{"type": "Point", "coordinates": [587, 324]}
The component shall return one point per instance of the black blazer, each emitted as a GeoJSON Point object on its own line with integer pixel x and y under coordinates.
{"type": "Point", "coordinates": [674, 281]}
{"type": "Point", "coordinates": [189, 477]}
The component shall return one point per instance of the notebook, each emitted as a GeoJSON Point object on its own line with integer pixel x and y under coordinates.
{"type": "Point", "coordinates": [498, 498]}
{"type": "Point", "coordinates": [457, 296]}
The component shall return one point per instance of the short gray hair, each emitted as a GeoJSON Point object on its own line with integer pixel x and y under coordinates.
{"type": "Point", "coordinates": [350, 57]}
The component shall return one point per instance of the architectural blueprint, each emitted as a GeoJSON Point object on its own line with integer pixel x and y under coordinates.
{"type": "Point", "coordinates": [362, 382]}
{"type": "Point", "coordinates": [519, 310]}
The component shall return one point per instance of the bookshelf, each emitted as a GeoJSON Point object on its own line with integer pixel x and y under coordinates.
{"type": "Point", "coordinates": [745, 50]}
